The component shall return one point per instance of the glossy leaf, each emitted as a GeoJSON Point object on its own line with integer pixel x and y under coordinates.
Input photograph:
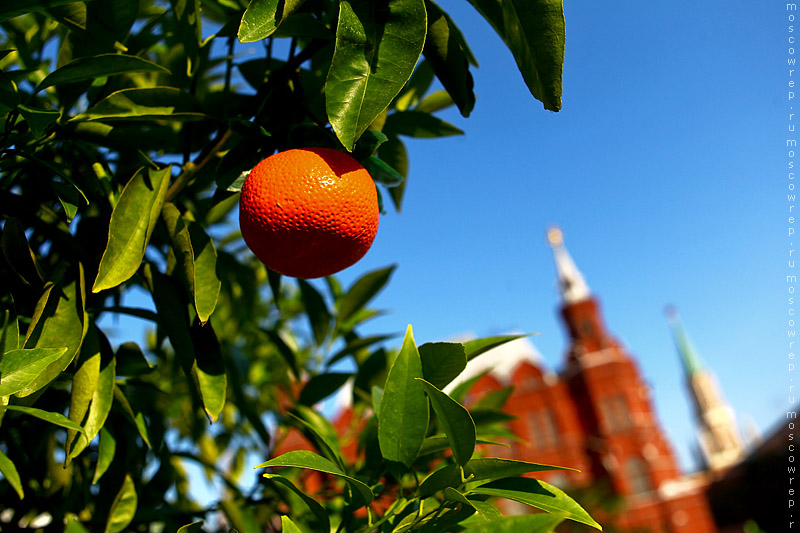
{"type": "Point", "coordinates": [322, 522]}
{"type": "Point", "coordinates": [321, 432]}
{"type": "Point", "coordinates": [455, 421]}
{"type": "Point", "coordinates": [382, 173]}
{"type": "Point", "coordinates": [84, 382]}
{"type": "Point", "coordinates": [540, 523]}
{"type": "Point", "coordinates": [534, 32]}
{"type": "Point", "coordinates": [132, 223]}
{"type": "Point", "coordinates": [488, 511]}
{"type": "Point", "coordinates": [105, 454]}
{"type": "Point", "coordinates": [481, 469]}
{"type": "Point", "coordinates": [18, 368]}
{"type": "Point", "coordinates": [18, 253]}
{"type": "Point", "coordinates": [420, 125]}
{"type": "Point", "coordinates": [476, 347]}
{"type": "Point", "coordinates": [321, 386]}
{"type": "Point", "coordinates": [318, 315]}
{"type": "Point", "coordinates": [537, 494]}
{"type": "Point", "coordinates": [442, 362]}
{"type": "Point", "coordinates": [404, 414]}
{"type": "Point", "coordinates": [90, 68]}
{"type": "Point", "coordinates": [54, 418]}
{"type": "Point", "coordinates": [9, 472]}
{"type": "Point", "coordinates": [102, 400]}
{"type": "Point", "coordinates": [443, 48]}
{"type": "Point", "coordinates": [377, 47]}
{"type": "Point", "coordinates": [124, 507]}
{"type": "Point", "coordinates": [312, 461]}
{"type": "Point", "coordinates": [144, 104]}
{"type": "Point", "coordinates": [209, 369]}
{"type": "Point", "coordinates": [362, 291]}
{"type": "Point", "coordinates": [287, 526]}
{"type": "Point", "coordinates": [263, 17]}
{"type": "Point", "coordinates": [206, 284]}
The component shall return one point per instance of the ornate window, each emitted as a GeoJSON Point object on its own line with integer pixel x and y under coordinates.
{"type": "Point", "coordinates": [637, 475]}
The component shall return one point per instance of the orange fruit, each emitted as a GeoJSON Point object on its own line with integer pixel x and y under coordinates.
{"type": "Point", "coordinates": [309, 212]}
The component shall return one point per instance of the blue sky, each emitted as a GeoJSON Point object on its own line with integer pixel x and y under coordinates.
{"type": "Point", "coordinates": [666, 171]}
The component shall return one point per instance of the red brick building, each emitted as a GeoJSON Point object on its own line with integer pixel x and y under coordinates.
{"type": "Point", "coordinates": [596, 415]}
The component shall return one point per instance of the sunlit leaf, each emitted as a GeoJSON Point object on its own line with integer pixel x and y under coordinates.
{"type": "Point", "coordinates": [18, 368]}
{"type": "Point", "coordinates": [132, 223]}
{"type": "Point", "coordinates": [84, 382]}
{"type": "Point", "coordinates": [102, 398]}
{"type": "Point", "coordinates": [455, 421]}
{"type": "Point", "coordinates": [312, 461]}
{"type": "Point", "coordinates": [124, 507]}
{"type": "Point", "coordinates": [288, 526]}
{"type": "Point", "coordinates": [191, 528]}
{"type": "Point", "coordinates": [89, 68]}
{"type": "Point", "coordinates": [377, 46]}
{"type": "Point", "coordinates": [9, 472]}
{"type": "Point", "coordinates": [54, 418]}
{"type": "Point", "coordinates": [105, 454]}
{"type": "Point", "coordinates": [540, 523]}
{"type": "Point", "coordinates": [537, 494]}
{"type": "Point", "coordinates": [263, 17]}
{"type": "Point", "coordinates": [476, 347]}
{"type": "Point", "coordinates": [403, 419]}
{"type": "Point", "coordinates": [144, 104]}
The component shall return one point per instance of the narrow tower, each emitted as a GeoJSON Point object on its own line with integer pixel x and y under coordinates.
{"type": "Point", "coordinates": [719, 439]}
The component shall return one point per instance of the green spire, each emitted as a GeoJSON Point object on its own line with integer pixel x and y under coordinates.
{"type": "Point", "coordinates": [689, 358]}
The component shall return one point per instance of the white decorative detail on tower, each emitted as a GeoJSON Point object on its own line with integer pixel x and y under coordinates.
{"type": "Point", "coordinates": [573, 287]}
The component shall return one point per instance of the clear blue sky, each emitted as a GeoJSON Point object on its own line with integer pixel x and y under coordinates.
{"type": "Point", "coordinates": [665, 170]}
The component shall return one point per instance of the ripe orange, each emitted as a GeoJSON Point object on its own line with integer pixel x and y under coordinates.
{"type": "Point", "coordinates": [309, 212]}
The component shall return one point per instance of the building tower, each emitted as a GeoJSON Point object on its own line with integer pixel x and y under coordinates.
{"type": "Point", "coordinates": [718, 436]}
{"type": "Point", "coordinates": [624, 442]}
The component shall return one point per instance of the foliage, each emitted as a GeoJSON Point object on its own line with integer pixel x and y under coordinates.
{"type": "Point", "coordinates": [126, 128]}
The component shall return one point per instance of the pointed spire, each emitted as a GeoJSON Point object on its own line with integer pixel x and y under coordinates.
{"type": "Point", "coordinates": [689, 358]}
{"type": "Point", "coordinates": [573, 286]}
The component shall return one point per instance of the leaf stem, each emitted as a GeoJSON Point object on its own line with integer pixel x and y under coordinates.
{"type": "Point", "coordinates": [190, 169]}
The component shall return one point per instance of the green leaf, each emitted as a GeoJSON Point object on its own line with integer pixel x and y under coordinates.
{"type": "Point", "coordinates": [443, 48]}
{"type": "Point", "coordinates": [537, 494]}
{"type": "Point", "coordinates": [318, 315]}
{"type": "Point", "coordinates": [105, 454]}
{"type": "Point", "coordinates": [68, 196]}
{"type": "Point", "coordinates": [455, 421]}
{"type": "Point", "coordinates": [124, 507]}
{"type": "Point", "coordinates": [9, 339]}
{"type": "Point", "coordinates": [393, 153]}
{"type": "Point", "coordinates": [437, 443]}
{"type": "Point", "coordinates": [209, 369]}
{"type": "Point", "coordinates": [382, 173]}
{"type": "Point", "coordinates": [480, 469]}
{"type": "Point", "coordinates": [404, 414]}
{"type": "Point", "coordinates": [144, 104]}
{"type": "Point", "coordinates": [312, 461]}
{"type": "Point", "coordinates": [378, 44]}
{"type": "Point", "coordinates": [418, 124]}
{"type": "Point", "coordinates": [321, 386]}
{"type": "Point", "coordinates": [534, 32]}
{"type": "Point", "coordinates": [9, 95]}
{"type": "Point", "coordinates": [18, 253]}
{"type": "Point", "coordinates": [322, 522]}
{"type": "Point", "coordinates": [206, 280]}
{"type": "Point", "coordinates": [417, 86]}
{"type": "Point", "coordinates": [488, 511]}
{"type": "Point", "coordinates": [197, 258]}
{"type": "Point", "coordinates": [90, 68]}
{"type": "Point", "coordinates": [442, 362]}
{"type": "Point", "coordinates": [362, 291]}
{"type": "Point", "coordinates": [18, 368]}
{"type": "Point", "coordinates": [54, 418]}
{"type": "Point", "coordinates": [84, 382]}
{"type": "Point", "coordinates": [476, 347]}
{"type": "Point", "coordinates": [287, 526]}
{"type": "Point", "coordinates": [102, 398]}
{"type": "Point", "coordinates": [39, 120]}
{"type": "Point", "coordinates": [9, 472]}
{"type": "Point", "coordinates": [131, 360]}
{"type": "Point", "coordinates": [540, 523]}
{"type": "Point", "coordinates": [321, 432]}
{"type": "Point", "coordinates": [355, 345]}
{"type": "Point", "coordinates": [263, 17]}
{"type": "Point", "coordinates": [14, 8]}
{"type": "Point", "coordinates": [436, 101]}
{"type": "Point", "coordinates": [132, 223]}
{"type": "Point", "coordinates": [136, 417]}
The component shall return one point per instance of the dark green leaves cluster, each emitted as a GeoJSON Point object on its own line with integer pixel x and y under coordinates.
{"type": "Point", "coordinates": [126, 128]}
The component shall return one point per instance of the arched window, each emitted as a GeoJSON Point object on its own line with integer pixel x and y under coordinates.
{"type": "Point", "coordinates": [637, 476]}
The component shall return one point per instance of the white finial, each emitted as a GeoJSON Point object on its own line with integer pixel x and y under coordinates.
{"type": "Point", "coordinates": [573, 286]}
